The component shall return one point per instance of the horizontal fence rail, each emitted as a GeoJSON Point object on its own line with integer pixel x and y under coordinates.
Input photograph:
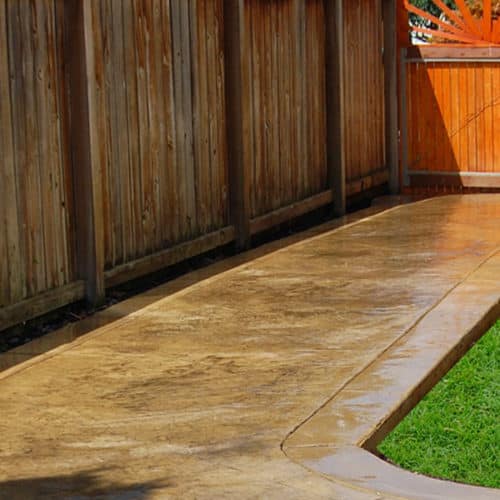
{"type": "Point", "coordinates": [138, 133]}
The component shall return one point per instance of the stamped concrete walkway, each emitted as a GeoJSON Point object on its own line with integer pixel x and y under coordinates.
{"type": "Point", "coordinates": [265, 378]}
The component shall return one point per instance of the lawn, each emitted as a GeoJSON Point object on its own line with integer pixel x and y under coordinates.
{"type": "Point", "coordinates": [454, 432]}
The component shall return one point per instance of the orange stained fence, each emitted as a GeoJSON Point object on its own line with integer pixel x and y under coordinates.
{"type": "Point", "coordinates": [450, 96]}
{"type": "Point", "coordinates": [452, 122]}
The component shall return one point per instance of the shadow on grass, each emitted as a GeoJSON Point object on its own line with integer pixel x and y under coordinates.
{"type": "Point", "coordinates": [79, 486]}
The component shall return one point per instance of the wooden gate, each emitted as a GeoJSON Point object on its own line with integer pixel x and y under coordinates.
{"type": "Point", "coordinates": [450, 98]}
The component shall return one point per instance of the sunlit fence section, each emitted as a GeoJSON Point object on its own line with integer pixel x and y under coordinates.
{"type": "Point", "coordinates": [450, 95]}
{"type": "Point", "coordinates": [452, 128]}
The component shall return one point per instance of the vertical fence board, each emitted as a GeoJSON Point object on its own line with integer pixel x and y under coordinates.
{"type": "Point", "coordinates": [171, 177]}
{"type": "Point", "coordinates": [37, 251]}
{"type": "Point", "coordinates": [287, 101]}
{"type": "Point", "coordinates": [6, 147]}
{"type": "Point", "coordinates": [132, 176]}
{"type": "Point", "coordinates": [214, 124]}
{"type": "Point", "coordinates": [45, 165]}
{"type": "Point", "coordinates": [119, 133]}
{"type": "Point", "coordinates": [180, 116]}
{"type": "Point", "coordinates": [221, 195]}
{"type": "Point", "coordinates": [11, 269]}
{"type": "Point", "coordinates": [187, 83]}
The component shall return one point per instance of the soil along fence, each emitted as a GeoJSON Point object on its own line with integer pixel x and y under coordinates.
{"type": "Point", "coordinates": [136, 134]}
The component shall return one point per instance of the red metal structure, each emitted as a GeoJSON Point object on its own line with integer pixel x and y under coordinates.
{"type": "Point", "coordinates": [473, 22]}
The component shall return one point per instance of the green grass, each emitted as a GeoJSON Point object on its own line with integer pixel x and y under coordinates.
{"type": "Point", "coordinates": [454, 432]}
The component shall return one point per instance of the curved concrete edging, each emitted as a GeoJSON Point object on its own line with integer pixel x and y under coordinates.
{"type": "Point", "coordinates": [339, 438]}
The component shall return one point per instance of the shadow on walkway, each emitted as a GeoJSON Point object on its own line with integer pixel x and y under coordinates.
{"type": "Point", "coordinates": [78, 486]}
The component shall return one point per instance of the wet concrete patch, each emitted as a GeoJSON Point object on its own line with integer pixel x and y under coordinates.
{"type": "Point", "coordinates": [201, 388]}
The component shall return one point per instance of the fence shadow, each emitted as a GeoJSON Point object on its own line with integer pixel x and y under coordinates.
{"type": "Point", "coordinates": [82, 485]}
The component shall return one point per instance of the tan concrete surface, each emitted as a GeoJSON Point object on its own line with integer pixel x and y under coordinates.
{"type": "Point", "coordinates": [262, 381]}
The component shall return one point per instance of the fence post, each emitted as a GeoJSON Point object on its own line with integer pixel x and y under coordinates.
{"type": "Point", "coordinates": [84, 146]}
{"type": "Point", "coordinates": [391, 94]}
{"type": "Point", "coordinates": [335, 103]}
{"type": "Point", "coordinates": [237, 119]}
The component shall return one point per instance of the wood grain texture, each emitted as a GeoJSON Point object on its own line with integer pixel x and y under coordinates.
{"type": "Point", "coordinates": [137, 132]}
{"type": "Point", "coordinates": [163, 124]}
{"type": "Point", "coordinates": [37, 245]}
{"type": "Point", "coordinates": [11, 275]}
{"type": "Point", "coordinates": [364, 89]}
{"type": "Point", "coordinates": [287, 102]}
{"type": "Point", "coordinates": [453, 114]}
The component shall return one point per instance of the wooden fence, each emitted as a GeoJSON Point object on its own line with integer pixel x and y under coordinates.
{"type": "Point", "coordinates": [286, 103]}
{"type": "Point", "coordinates": [451, 121]}
{"type": "Point", "coordinates": [137, 133]}
{"type": "Point", "coordinates": [450, 98]}
{"type": "Point", "coordinates": [36, 201]}
{"type": "Point", "coordinates": [161, 121]}
{"type": "Point", "coordinates": [364, 96]}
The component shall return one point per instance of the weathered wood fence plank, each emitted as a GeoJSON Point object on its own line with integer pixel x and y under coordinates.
{"type": "Point", "coordinates": [11, 273]}
{"type": "Point", "coordinates": [364, 93]}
